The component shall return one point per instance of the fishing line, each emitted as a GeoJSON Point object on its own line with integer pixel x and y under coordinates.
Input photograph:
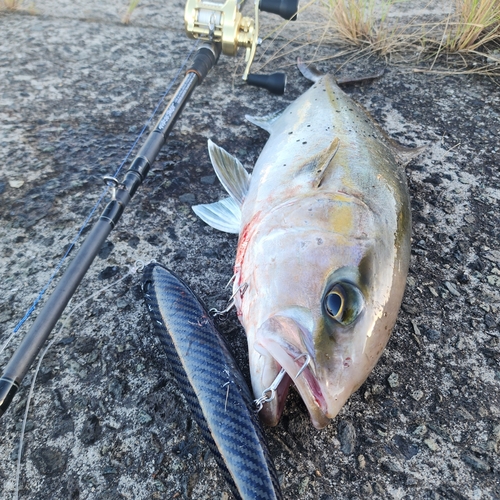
{"type": "Point", "coordinates": [138, 267]}
{"type": "Point", "coordinates": [8, 341]}
{"type": "Point", "coordinates": [96, 206]}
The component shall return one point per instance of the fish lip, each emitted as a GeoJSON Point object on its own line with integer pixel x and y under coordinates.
{"type": "Point", "coordinates": [292, 360]}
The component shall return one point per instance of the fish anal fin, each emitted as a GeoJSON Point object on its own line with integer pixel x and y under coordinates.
{"type": "Point", "coordinates": [224, 215]}
{"type": "Point", "coordinates": [323, 161]}
{"type": "Point", "coordinates": [404, 154]}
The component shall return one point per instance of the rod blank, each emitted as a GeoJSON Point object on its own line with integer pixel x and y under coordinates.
{"type": "Point", "coordinates": [205, 58]}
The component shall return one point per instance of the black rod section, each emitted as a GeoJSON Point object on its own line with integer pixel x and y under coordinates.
{"type": "Point", "coordinates": [122, 192]}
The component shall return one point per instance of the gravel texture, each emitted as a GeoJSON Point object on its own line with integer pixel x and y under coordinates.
{"type": "Point", "coordinates": [107, 420]}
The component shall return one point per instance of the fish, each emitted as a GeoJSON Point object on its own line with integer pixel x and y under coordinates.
{"type": "Point", "coordinates": [324, 228]}
{"type": "Point", "coordinates": [216, 392]}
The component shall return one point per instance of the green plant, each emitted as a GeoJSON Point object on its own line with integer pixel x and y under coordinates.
{"type": "Point", "coordinates": [130, 9]}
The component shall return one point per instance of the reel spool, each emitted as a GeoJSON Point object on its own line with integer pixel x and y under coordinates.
{"type": "Point", "coordinates": [220, 21]}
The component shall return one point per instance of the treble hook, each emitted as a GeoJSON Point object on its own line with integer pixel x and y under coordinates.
{"type": "Point", "coordinates": [304, 366]}
{"type": "Point", "coordinates": [259, 402]}
{"type": "Point", "coordinates": [242, 289]}
{"type": "Point", "coordinates": [215, 312]}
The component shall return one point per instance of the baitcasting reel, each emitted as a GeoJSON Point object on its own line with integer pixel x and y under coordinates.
{"type": "Point", "coordinates": [221, 21]}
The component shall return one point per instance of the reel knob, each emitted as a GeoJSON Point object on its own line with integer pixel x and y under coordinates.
{"type": "Point", "coordinates": [287, 9]}
{"type": "Point", "coordinates": [275, 83]}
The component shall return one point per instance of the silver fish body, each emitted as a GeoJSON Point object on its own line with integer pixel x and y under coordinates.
{"type": "Point", "coordinates": [323, 251]}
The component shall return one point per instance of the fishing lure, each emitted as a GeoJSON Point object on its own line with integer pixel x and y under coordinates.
{"type": "Point", "coordinates": [214, 388]}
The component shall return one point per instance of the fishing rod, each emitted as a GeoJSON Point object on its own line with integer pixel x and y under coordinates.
{"type": "Point", "coordinates": [222, 28]}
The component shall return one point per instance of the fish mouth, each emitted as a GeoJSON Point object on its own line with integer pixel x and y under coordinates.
{"type": "Point", "coordinates": [299, 367]}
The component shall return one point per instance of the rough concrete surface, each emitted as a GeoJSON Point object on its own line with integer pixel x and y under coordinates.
{"type": "Point", "coordinates": [107, 421]}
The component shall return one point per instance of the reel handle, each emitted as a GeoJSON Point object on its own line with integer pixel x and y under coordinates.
{"type": "Point", "coordinates": [221, 22]}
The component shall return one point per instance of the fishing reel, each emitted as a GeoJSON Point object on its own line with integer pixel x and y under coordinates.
{"type": "Point", "coordinates": [220, 21]}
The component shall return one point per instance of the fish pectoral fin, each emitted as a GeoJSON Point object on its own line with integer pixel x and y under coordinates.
{"type": "Point", "coordinates": [323, 161]}
{"type": "Point", "coordinates": [224, 215]}
{"type": "Point", "coordinates": [265, 122]}
{"type": "Point", "coordinates": [231, 173]}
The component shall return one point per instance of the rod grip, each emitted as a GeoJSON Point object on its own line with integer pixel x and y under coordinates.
{"type": "Point", "coordinates": [205, 59]}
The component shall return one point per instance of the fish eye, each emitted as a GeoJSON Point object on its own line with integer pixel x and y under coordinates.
{"type": "Point", "coordinates": [343, 303]}
{"type": "Point", "coordinates": [333, 304]}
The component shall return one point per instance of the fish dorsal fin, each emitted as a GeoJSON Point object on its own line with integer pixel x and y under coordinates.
{"type": "Point", "coordinates": [323, 161]}
{"type": "Point", "coordinates": [230, 171]}
{"type": "Point", "coordinates": [265, 122]}
{"type": "Point", "coordinates": [224, 215]}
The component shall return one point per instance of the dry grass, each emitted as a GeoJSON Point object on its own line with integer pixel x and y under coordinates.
{"type": "Point", "coordinates": [11, 5]}
{"type": "Point", "coordinates": [360, 22]}
{"type": "Point", "coordinates": [367, 24]}
{"type": "Point", "coordinates": [475, 23]}
{"type": "Point", "coordinates": [471, 25]}
{"type": "Point", "coordinates": [466, 40]}
{"type": "Point", "coordinates": [130, 9]}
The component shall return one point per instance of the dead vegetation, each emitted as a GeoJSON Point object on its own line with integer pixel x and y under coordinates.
{"type": "Point", "coordinates": [464, 40]}
{"type": "Point", "coordinates": [475, 24]}
{"type": "Point", "coordinates": [10, 5]}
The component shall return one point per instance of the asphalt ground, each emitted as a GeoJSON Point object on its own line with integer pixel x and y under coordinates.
{"type": "Point", "coordinates": [107, 420]}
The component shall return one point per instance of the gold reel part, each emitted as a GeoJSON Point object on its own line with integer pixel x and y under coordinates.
{"type": "Point", "coordinates": [221, 21]}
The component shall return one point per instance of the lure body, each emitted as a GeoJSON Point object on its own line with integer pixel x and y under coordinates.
{"type": "Point", "coordinates": [215, 389]}
{"type": "Point", "coordinates": [324, 247]}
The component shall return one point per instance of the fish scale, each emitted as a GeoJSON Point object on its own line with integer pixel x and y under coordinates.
{"type": "Point", "coordinates": [204, 369]}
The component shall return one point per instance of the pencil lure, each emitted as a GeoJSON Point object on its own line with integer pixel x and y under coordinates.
{"type": "Point", "coordinates": [214, 388]}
